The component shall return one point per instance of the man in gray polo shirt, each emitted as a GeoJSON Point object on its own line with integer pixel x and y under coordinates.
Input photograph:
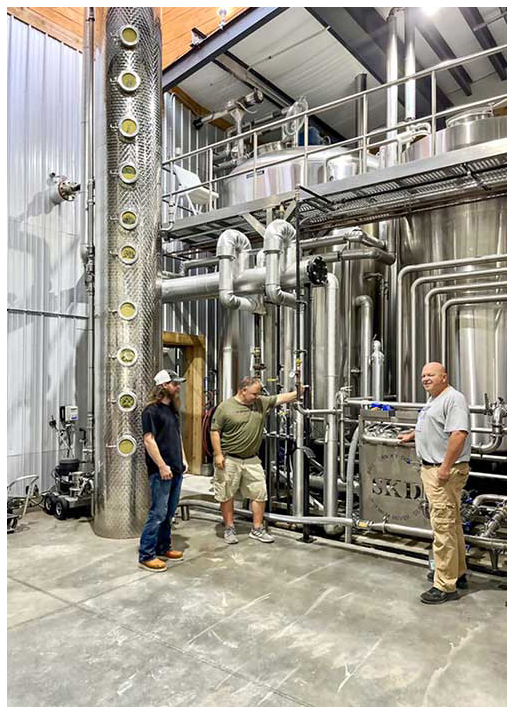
{"type": "Point", "coordinates": [443, 445]}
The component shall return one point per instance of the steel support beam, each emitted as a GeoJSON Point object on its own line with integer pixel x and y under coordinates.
{"type": "Point", "coordinates": [372, 53]}
{"type": "Point", "coordinates": [444, 52]}
{"type": "Point", "coordinates": [485, 38]}
{"type": "Point", "coordinates": [218, 43]}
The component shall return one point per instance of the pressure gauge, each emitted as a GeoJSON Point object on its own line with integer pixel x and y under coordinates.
{"type": "Point", "coordinates": [128, 127]}
{"type": "Point", "coordinates": [128, 173]}
{"type": "Point", "coordinates": [128, 219]}
{"type": "Point", "coordinates": [127, 356]}
{"type": "Point", "coordinates": [127, 401]}
{"type": "Point", "coordinates": [126, 445]}
{"type": "Point", "coordinates": [127, 254]}
{"type": "Point", "coordinates": [129, 81]}
{"type": "Point", "coordinates": [127, 310]}
{"type": "Point", "coordinates": [129, 36]}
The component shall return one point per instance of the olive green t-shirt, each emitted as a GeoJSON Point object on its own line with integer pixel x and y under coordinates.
{"type": "Point", "coordinates": [241, 427]}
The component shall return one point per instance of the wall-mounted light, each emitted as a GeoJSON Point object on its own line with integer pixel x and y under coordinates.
{"type": "Point", "coordinates": [222, 14]}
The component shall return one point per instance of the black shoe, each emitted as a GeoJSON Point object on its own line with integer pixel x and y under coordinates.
{"type": "Point", "coordinates": [434, 596]}
{"type": "Point", "coordinates": [462, 582]}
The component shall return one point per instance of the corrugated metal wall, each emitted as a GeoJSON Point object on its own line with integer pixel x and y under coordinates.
{"type": "Point", "coordinates": [47, 343]}
{"type": "Point", "coordinates": [46, 295]}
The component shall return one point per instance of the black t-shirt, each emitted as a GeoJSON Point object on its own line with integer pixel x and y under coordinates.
{"type": "Point", "coordinates": [163, 422]}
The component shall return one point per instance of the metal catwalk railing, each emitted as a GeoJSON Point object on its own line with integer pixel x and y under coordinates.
{"type": "Point", "coordinates": [365, 142]}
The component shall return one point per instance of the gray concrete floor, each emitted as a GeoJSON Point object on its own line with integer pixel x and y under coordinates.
{"type": "Point", "coordinates": [285, 624]}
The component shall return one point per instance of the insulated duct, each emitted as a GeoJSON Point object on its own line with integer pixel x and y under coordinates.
{"type": "Point", "coordinates": [127, 310]}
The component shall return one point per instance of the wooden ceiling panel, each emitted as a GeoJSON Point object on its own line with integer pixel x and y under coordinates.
{"type": "Point", "coordinates": [66, 24]}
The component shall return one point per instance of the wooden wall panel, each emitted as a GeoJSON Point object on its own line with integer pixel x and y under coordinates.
{"type": "Point", "coordinates": [66, 24]}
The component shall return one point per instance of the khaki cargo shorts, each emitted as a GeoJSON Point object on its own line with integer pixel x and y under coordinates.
{"type": "Point", "coordinates": [243, 475]}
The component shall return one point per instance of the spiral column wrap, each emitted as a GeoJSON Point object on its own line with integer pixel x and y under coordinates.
{"type": "Point", "coordinates": [128, 338]}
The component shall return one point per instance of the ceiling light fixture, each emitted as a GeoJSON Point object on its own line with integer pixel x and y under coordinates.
{"type": "Point", "coordinates": [222, 13]}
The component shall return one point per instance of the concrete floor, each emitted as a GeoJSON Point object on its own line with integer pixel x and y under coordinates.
{"type": "Point", "coordinates": [285, 624]}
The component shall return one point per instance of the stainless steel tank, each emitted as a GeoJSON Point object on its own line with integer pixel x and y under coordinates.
{"type": "Point", "coordinates": [476, 334]}
{"type": "Point", "coordinates": [128, 338]}
{"type": "Point", "coordinates": [289, 170]}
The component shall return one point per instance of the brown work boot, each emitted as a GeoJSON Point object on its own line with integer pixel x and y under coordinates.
{"type": "Point", "coordinates": [171, 555]}
{"type": "Point", "coordinates": [154, 565]}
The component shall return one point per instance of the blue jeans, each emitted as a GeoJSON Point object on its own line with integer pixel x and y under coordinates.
{"type": "Point", "coordinates": [156, 535]}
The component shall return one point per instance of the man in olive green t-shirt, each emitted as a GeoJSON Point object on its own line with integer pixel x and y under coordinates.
{"type": "Point", "coordinates": [236, 435]}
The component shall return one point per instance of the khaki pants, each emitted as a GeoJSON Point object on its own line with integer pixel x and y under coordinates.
{"type": "Point", "coordinates": [444, 499]}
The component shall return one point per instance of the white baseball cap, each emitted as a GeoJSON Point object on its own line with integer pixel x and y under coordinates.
{"type": "Point", "coordinates": [165, 376]}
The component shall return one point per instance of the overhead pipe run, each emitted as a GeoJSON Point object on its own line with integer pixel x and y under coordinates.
{"type": "Point", "coordinates": [249, 282]}
{"type": "Point", "coordinates": [340, 235]}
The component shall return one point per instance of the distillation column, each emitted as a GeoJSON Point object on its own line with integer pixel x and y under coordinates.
{"type": "Point", "coordinates": [127, 311]}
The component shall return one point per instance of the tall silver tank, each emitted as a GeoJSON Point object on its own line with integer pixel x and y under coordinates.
{"type": "Point", "coordinates": [127, 310]}
{"type": "Point", "coordinates": [476, 334]}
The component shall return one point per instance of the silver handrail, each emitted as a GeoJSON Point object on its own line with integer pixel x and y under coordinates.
{"type": "Point", "coordinates": [362, 141]}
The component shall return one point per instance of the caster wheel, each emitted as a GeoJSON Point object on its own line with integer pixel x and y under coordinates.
{"type": "Point", "coordinates": [49, 504]}
{"type": "Point", "coordinates": [61, 509]}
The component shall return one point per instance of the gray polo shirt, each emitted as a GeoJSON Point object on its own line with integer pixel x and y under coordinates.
{"type": "Point", "coordinates": [441, 416]}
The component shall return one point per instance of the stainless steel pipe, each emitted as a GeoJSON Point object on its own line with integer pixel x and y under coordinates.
{"type": "Point", "coordinates": [377, 371]}
{"type": "Point", "coordinates": [365, 303]}
{"type": "Point", "coordinates": [421, 267]}
{"type": "Point", "coordinates": [277, 238]}
{"type": "Point", "coordinates": [231, 244]}
{"type": "Point", "coordinates": [464, 301]}
{"type": "Point", "coordinates": [410, 62]}
{"type": "Point", "coordinates": [332, 375]}
{"type": "Point", "coordinates": [470, 287]}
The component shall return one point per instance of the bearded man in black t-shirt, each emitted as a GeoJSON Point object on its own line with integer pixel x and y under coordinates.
{"type": "Point", "coordinates": [166, 462]}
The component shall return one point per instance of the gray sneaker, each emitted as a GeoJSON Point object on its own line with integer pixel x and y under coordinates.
{"type": "Point", "coordinates": [230, 535]}
{"type": "Point", "coordinates": [262, 535]}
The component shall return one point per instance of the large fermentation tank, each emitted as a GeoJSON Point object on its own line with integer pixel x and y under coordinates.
{"type": "Point", "coordinates": [476, 334]}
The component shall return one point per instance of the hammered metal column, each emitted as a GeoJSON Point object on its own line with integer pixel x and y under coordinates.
{"type": "Point", "coordinates": [127, 314]}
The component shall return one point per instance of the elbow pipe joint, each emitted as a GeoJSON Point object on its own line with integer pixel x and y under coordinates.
{"type": "Point", "coordinates": [278, 236]}
{"type": "Point", "coordinates": [231, 244]}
